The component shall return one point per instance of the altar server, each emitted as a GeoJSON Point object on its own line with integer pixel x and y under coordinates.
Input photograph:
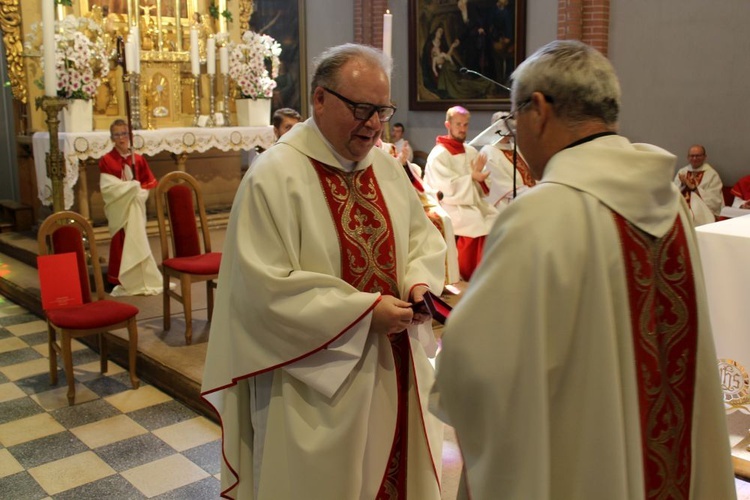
{"type": "Point", "coordinates": [125, 182]}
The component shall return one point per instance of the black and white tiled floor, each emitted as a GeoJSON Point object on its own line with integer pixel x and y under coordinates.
{"type": "Point", "coordinates": [114, 443]}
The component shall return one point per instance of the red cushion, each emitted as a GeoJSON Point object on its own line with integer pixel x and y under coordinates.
{"type": "Point", "coordinates": [207, 263]}
{"type": "Point", "coordinates": [182, 220]}
{"type": "Point", "coordinates": [92, 315]}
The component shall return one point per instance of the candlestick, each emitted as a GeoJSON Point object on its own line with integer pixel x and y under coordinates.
{"type": "Point", "coordinates": [54, 159]}
{"type": "Point", "coordinates": [195, 61]}
{"type": "Point", "coordinates": [387, 32]}
{"type": "Point", "coordinates": [211, 100]}
{"type": "Point", "coordinates": [224, 60]}
{"type": "Point", "coordinates": [226, 99]}
{"type": "Point", "coordinates": [196, 99]}
{"type": "Point", "coordinates": [48, 46]}
{"type": "Point", "coordinates": [211, 56]}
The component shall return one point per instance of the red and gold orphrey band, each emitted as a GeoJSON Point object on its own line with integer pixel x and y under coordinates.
{"type": "Point", "coordinates": [521, 167]}
{"type": "Point", "coordinates": [368, 255]}
{"type": "Point", "coordinates": [664, 321]}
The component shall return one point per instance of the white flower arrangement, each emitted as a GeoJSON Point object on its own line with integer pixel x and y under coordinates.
{"type": "Point", "coordinates": [249, 63]}
{"type": "Point", "coordinates": [81, 59]}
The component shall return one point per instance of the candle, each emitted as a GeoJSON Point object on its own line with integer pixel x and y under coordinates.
{"type": "Point", "coordinates": [195, 62]}
{"type": "Point", "coordinates": [387, 32]}
{"type": "Point", "coordinates": [129, 57]}
{"type": "Point", "coordinates": [136, 49]}
{"type": "Point", "coordinates": [222, 19]}
{"type": "Point", "coordinates": [224, 60]}
{"type": "Point", "coordinates": [211, 56]}
{"type": "Point", "coordinates": [48, 46]}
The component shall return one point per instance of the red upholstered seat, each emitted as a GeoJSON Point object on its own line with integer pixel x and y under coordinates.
{"type": "Point", "coordinates": [207, 263]}
{"type": "Point", "coordinates": [178, 197]}
{"type": "Point", "coordinates": [65, 232]}
{"type": "Point", "coordinates": [91, 315]}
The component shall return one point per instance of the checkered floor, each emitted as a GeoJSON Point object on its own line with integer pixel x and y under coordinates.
{"type": "Point", "coordinates": [114, 443]}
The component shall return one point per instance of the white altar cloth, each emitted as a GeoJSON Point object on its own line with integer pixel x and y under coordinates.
{"type": "Point", "coordinates": [725, 256]}
{"type": "Point", "coordinates": [84, 145]}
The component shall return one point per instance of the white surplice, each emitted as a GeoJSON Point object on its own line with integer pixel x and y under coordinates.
{"type": "Point", "coordinates": [463, 199]}
{"type": "Point", "coordinates": [125, 208]}
{"type": "Point", "coordinates": [306, 394]}
{"type": "Point", "coordinates": [537, 370]}
{"type": "Point", "coordinates": [501, 174]}
{"type": "Point", "coordinates": [706, 202]}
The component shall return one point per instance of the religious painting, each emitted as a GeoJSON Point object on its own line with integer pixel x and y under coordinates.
{"type": "Point", "coordinates": [463, 52]}
{"type": "Point", "coordinates": [284, 20]}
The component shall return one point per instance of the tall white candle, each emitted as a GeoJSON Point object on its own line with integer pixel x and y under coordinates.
{"type": "Point", "coordinates": [211, 56]}
{"type": "Point", "coordinates": [224, 60]}
{"type": "Point", "coordinates": [195, 62]}
{"type": "Point", "coordinates": [387, 32]}
{"type": "Point", "coordinates": [136, 50]}
{"type": "Point", "coordinates": [129, 57]}
{"type": "Point", "coordinates": [48, 46]}
{"type": "Point", "coordinates": [222, 19]}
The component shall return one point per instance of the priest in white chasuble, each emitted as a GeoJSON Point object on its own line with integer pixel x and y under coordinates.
{"type": "Point", "coordinates": [317, 364]}
{"type": "Point", "coordinates": [580, 362]}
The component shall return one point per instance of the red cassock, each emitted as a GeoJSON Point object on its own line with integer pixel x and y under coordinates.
{"type": "Point", "coordinates": [113, 163]}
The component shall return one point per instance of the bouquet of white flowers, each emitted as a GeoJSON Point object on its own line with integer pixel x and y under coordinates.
{"type": "Point", "coordinates": [81, 59]}
{"type": "Point", "coordinates": [253, 64]}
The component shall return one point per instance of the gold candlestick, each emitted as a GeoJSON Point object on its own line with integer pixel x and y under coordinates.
{"type": "Point", "coordinates": [54, 159]}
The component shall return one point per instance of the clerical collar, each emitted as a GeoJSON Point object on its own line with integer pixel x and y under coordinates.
{"type": "Point", "coordinates": [589, 138]}
{"type": "Point", "coordinates": [347, 165]}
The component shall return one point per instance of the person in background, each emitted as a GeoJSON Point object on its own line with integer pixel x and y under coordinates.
{"type": "Point", "coordinates": [457, 171]}
{"type": "Point", "coordinates": [741, 193]}
{"type": "Point", "coordinates": [500, 165]}
{"type": "Point", "coordinates": [317, 364]}
{"type": "Point", "coordinates": [580, 362]}
{"type": "Point", "coordinates": [400, 142]}
{"type": "Point", "coordinates": [701, 186]}
{"type": "Point", "coordinates": [125, 182]}
{"type": "Point", "coordinates": [283, 120]}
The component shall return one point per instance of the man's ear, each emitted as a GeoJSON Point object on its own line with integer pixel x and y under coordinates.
{"type": "Point", "coordinates": [447, 125]}
{"type": "Point", "coordinates": [541, 111]}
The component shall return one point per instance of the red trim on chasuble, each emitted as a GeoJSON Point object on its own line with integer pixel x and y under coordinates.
{"type": "Point", "coordinates": [664, 319]}
{"type": "Point", "coordinates": [368, 262]}
{"type": "Point", "coordinates": [521, 167]}
{"type": "Point", "coordinates": [695, 178]}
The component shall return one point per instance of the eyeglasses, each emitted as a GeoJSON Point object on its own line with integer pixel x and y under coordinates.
{"type": "Point", "coordinates": [364, 110]}
{"type": "Point", "coordinates": [120, 134]}
{"type": "Point", "coordinates": [510, 120]}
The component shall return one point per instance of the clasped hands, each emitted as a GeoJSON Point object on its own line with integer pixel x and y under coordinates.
{"type": "Point", "coordinates": [692, 186]}
{"type": "Point", "coordinates": [393, 315]}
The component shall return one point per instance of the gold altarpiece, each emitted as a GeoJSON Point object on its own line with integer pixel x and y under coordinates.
{"type": "Point", "coordinates": [166, 83]}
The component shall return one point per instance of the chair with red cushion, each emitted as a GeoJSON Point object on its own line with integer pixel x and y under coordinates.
{"type": "Point", "coordinates": [178, 198]}
{"type": "Point", "coordinates": [66, 232]}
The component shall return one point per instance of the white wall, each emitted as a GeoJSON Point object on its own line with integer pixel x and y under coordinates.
{"type": "Point", "coordinates": [684, 67]}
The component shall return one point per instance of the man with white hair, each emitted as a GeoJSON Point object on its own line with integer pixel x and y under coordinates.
{"type": "Point", "coordinates": [580, 362]}
{"type": "Point", "coordinates": [508, 169]}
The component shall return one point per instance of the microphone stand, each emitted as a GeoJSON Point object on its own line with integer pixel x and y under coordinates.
{"type": "Point", "coordinates": [465, 71]}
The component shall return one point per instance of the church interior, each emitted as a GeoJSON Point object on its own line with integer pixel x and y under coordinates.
{"type": "Point", "coordinates": [681, 67]}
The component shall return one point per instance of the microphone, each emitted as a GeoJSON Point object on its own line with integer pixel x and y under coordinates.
{"type": "Point", "coordinates": [465, 71]}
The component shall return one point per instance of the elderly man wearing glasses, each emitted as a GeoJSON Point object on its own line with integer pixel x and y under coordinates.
{"type": "Point", "coordinates": [317, 363]}
{"type": "Point", "coordinates": [125, 182]}
{"type": "Point", "coordinates": [701, 186]}
{"type": "Point", "coordinates": [580, 362]}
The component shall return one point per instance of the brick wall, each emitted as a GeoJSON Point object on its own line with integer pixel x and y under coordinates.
{"type": "Point", "coordinates": [368, 21]}
{"type": "Point", "coordinates": [585, 20]}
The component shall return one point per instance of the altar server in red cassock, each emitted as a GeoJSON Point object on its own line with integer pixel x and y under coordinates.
{"type": "Point", "coordinates": [457, 171]}
{"type": "Point", "coordinates": [580, 362]}
{"type": "Point", "coordinates": [316, 364]}
{"type": "Point", "coordinates": [125, 187]}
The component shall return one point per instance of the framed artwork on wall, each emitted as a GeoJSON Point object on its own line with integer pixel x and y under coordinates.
{"type": "Point", "coordinates": [463, 51]}
{"type": "Point", "coordinates": [285, 21]}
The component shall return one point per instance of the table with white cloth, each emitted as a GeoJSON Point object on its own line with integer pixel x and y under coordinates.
{"type": "Point", "coordinates": [725, 256]}
{"type": "Point", "coordinates": [80, 146]}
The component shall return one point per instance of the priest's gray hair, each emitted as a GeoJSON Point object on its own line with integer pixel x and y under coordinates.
{"type": "Point", "coordinates": [329, 63]}
{"type": "Point", "coordinates": [575, 78]}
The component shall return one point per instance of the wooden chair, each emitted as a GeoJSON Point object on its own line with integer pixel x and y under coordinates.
{"type": "Point", "coordinates": [177, 197]}
{"type": "Point", "coordinates": [65, 232]}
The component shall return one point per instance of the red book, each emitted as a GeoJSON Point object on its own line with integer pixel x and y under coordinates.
{"type": "Point", "coordinates": [58, 280]}
{"type": "Point", "coordinates": [439, 309]}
